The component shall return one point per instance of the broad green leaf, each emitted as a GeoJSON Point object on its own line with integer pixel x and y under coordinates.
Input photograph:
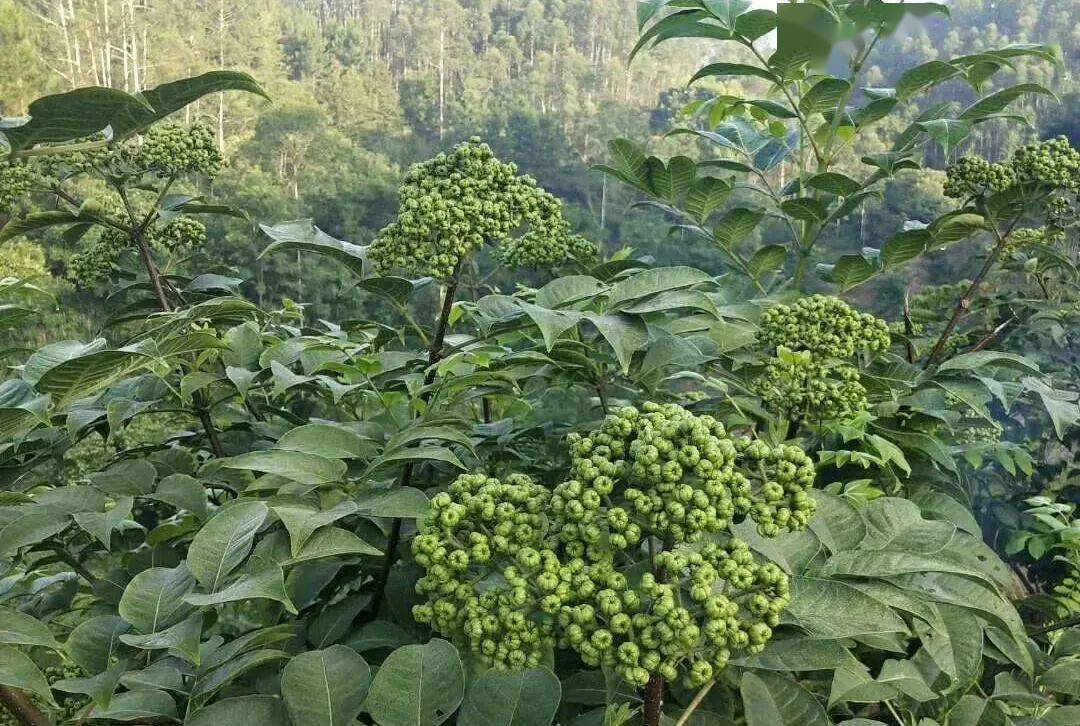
{"type": "Point", "coordinates": [153, 600]}
{"type": "Point", "coordinates": [88, 374]}
{"type": "Point", "coordinates": [332, 542]}
{"type": "Point", "coordinates": [224, 542]}
{"type": "Point", "coordinates": [335, 621]}
{"type": "Point", "coordinates": [956, 226]}
{"type": "Point", "coordinates": [511, 698]}
{"type": "Point", "coordinates": [326, 440]}
{"type": "Point", "coordinates": [242, 711]}
{"type": "Point", "coordinates": [979, 359]}
{"type": "Point", "coordinates": [309, 469]}
{"type": "Point", "coordinates": [563, 291]}
{"type": "Point", "coordinates": [183, 492]}
{"type": "Point", "coordinates": [832, 609]}
{"type": "Point", "coordinates": [252, 640]}
{"type": "Point", "coordinates": [835, 183]}
{"type": "Point", "coordinates": [755, 24]}
{"type": "Point", "coordinates": [18, 226]}
{"type": "Point", "coordinates": [100, 687]}
{"type": "Point", "coordinates": [805, 35]}
{"type": "Point", "coordinates": [798, 654]}
{"type": "Point", "coordinates": [968, 593]}
{"type": "Point", "coordinates": [1063, 410]}
{"type": "Point", "coordinates": [18, 671]}
{"type": "Point", "coordinates": [18, 628]}
{"type": "Point", "coordinates": [208, 683]}
{"type": "Point", "coordinates": [31, 528]}
{"type": "Point", "coordinates": [825, 94]}
{"type": "Point", "coordinates": [777, 700]}
{"type": "Point", "coordinates": [417, 685]}
{"type": "Point", "coordinates": [100, 525]}
{"type": "Point", "coordinates": [849, 271]}
{"type": "Point", "coordinates": [159, 676]}
{"type": "Point", "coordinates": [625, 334]}
{"type": "Point", "coordinates": [379, 634]}
{"type": "Point", "coordinates": [805, 209]}
{"type": "Point", "coordinates": [1062, 677]}
{"type": "Point", "coordinates": [955, 644]}
{"type": "Point", "coordinates": [48, 357]}
{"type": "Point", "coordinates": [418, 453]}
{"type": "Point", "coordinates": [325, 687]}
{"type": "Point", "coordinates": [854, 684]}
{"type": "Point", "coordinates": [893, 524]}
{"type": "Point", "coordinates": [302, 235]}
{"type": "Point", "coordinates": [141, 706]}
{"type": "Point", "coordinates": [626, 157]}
{"type": "Point", "coordinates": [874, 111]}
{"type": "Point", "coordinates": [72, 115]}
{"type": "Point", "coordinates": [924, 77]}
{"type": "Point", "coordinates": [995, 103]}
{"type": "Point", "coordinates": [552, 323]}
{"type": "Point", "coordinates": [736, 226]}
{"type": "Point", "coordinates": [175, 95]}
{"type": "Point", "coordinates": [949, 133]}
{"type": "Point", "coordinates": [181, 639]}
{"type": "Point", "coordinates": [93, 643]}
{"type": "Point", "coordinates": [405, 502]}
{"type": "Point", "coordinates": [726, 70]}
{"type": "Point", "coordinates": [395, 289]}
{"type": "Point", "coordinates": [706, 196]}
{"type": "Point", "coordinates": [266, 584]}
{"type": "Point", "coordinates": [766, 260]}
{"type": "Point", "coordinates": [131, 477]}
{"type": "Point", "coordinates": [651, 282]}
{"type": "Point", "coordinates": [301, 522]}
{"type": "Point", "coordinates": [905, 246]}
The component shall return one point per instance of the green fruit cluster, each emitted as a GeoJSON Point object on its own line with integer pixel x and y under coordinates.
{"type": "Point", "coordinates": [173, 148]}
{"type": "Point", "coordinates": [825, 326]}
{"type": "Point", "coordinates": [677, 476]}
{"type": "Point", "coordinates": [459, 201]}
{"type": "Point", "coordinates": [488, 557]}
{"type": "Point", "coordinates": [1024, 238]}
{"type": "Point", "coordinates": [1052, 163]}
{"type": "Point", "coordinates": [804, 388]}
{"type": "Point", "coordinates": [181, 232]}
{"type": "Point", "coordinates": [979, 431]}
{"type": "Point", "coordinates": [17, 179]}
{"type": "Point", "coordinates": [515, 569]}
{"type": "Point", "coordinates": [808, 378]}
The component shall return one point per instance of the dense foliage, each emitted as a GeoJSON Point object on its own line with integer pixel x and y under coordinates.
{"type": "Point", "coordinates": [604, 491]}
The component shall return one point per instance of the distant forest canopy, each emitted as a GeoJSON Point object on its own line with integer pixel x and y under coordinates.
{"type": "Point", "coordinates": [363, 88]}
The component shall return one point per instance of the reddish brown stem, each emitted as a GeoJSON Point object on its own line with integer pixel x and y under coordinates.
{"type": "Point", "coordinates": [22, 708]}
{"type": "Point", "coordinates": [964, 303]}
{"type": "Point", "coordinates": [654, 689]}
